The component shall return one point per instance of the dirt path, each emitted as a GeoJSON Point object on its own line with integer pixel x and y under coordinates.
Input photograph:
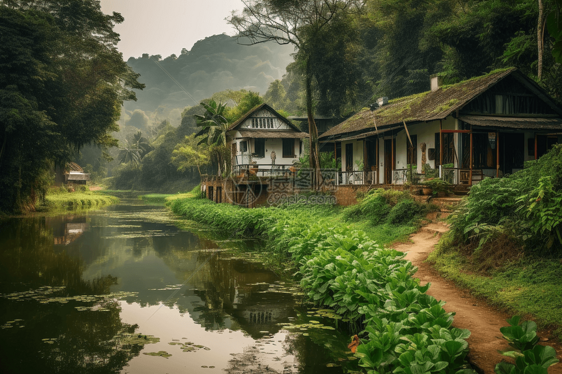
{"type": "Point", "coordinates": [474, 314]}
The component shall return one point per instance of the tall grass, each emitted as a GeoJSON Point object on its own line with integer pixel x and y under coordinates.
{"type": "Point", "coordinates": [61, 199]}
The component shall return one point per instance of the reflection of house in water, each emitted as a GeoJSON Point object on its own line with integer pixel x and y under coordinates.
{"type": "Point", "coordinates": [65, 231]}
{"type": "Point", "coordinates": [245, 291]}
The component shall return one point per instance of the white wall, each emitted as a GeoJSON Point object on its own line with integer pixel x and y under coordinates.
{"type": "Point", "coordinates": [357, 153]}
{"type": "Point", "coordinates": [270, 145]}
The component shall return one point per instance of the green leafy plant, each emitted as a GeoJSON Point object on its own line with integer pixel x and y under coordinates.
{"type": "Point", "coordinates": [529, 356]}
{"type": "Point", "coordinates": [405, 330]}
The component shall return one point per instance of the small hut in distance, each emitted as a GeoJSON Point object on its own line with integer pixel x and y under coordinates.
{"type": "Point", "coordinates": [71, 174]}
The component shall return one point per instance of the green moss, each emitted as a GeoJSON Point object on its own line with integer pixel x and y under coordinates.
{"type": "Point", "coordinates": [444, 107]}
{"type": "Point", "coordinates": [496, 71]}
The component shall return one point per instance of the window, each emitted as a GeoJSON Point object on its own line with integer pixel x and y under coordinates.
{"type": "Point", "coordinates": [259, 148]}
{"type": "Point", "coordinates": [288, 148]}
{"type": "Point", "coordinates": [412, 150]}
{"type": "Point", "coordinates": [243, 146]}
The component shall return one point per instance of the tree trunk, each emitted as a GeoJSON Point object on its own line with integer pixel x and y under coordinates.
{"type": "Point", "coordinates": [313, 131]}
{"type": "Point", "coordinates": [540, 38]}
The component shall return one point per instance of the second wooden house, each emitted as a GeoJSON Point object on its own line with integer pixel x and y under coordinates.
{"type": "Point", "coordinates": [485, 127]}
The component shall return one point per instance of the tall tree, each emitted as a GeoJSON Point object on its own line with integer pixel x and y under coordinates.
{"type": "Point", "coordinates": [300, 23]}
{"type": "Point", "coordinates": [189, 154]}
{"type": "Point", "coordinates": [62, 83]}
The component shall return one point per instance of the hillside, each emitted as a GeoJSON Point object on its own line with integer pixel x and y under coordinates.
{"type": "Point", "coordinates": [213, 64]}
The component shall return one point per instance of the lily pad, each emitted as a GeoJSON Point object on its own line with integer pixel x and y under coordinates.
{"type": "Point", "coordinates": [158, 354]}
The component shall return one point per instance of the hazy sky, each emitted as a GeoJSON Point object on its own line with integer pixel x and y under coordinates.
{"type": "Point", "coordinates": [163, 27]}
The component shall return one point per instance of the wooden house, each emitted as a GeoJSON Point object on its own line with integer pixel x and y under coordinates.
{"type": "Point", "coordinates": [264, 142]}
{"type": "Point", "coordinates": [487, 126]}
{"type": "Point", "coordinates": [72, 173]}
{"type": "Point", "coordinates": [264, 146]}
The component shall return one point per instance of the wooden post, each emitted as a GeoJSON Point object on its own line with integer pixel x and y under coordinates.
{"type": "Point", "coordinates": [377, 160]}
{"type": "Point", "coordinates": [441, 142]}
{"type": "Point", "coordinates": [335, 151]}
{"type": "Point", "coordinates": [392, 157]}
{"type": "Point", "coordinates": [536, 147]}
{"type": "Point", "coordinates": [497, 154]}
{"type": "Point", "coordinates": [365, 157]}
{"type": "Point", "coordinates": [471, 162]}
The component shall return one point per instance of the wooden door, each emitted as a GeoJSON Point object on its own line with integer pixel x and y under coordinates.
{"type": "Point", "coordinates": [448, 149]}
{"type": "Point", "coordinates": [388, 164]}
{"type": "Point", "coordinates": [512, 147]}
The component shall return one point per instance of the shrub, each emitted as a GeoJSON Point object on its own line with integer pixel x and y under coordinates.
{"type": "Point", "coordinates": [373, 208]}
{"type": "Point", "coordinates": [529, 200]}
{"type": "Point", "coordinates": [405, 211]}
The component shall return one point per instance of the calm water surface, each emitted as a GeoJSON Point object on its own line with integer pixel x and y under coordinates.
{"type": "Point", "coordinates": [124, 290]}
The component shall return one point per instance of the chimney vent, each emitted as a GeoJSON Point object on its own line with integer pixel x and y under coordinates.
{"type": "Point", "coordinates": [382, 101]}
{"type": "Point", "coordinates": [435, 83]}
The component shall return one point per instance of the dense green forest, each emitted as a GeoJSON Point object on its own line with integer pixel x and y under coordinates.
{"type": "Point", "coordinates": [64, 81]}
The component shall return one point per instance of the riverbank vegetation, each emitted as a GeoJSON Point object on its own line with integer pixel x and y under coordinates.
{"type": "Point", "coordinates": [343, 269]}
{"type": "Point", "coordinates": [505, 242]}
{"type": "Point", "coordinates": [61, 199]}
{"type": "Point", "coordinates": [64, 92]}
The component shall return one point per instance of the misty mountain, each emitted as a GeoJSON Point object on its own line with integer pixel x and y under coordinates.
{"type": "Point", "coordinates": [213, 64]}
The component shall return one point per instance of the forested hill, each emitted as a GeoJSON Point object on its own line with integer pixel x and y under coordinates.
{"type": "Point", "coordinates": [213, 64]}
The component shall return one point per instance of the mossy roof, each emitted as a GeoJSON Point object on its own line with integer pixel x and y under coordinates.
{"type": "Point", "coordinates": [423, 107]}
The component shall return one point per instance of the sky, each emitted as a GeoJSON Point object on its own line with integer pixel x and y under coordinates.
{"type": "Point", "coordinates": [164, 27]}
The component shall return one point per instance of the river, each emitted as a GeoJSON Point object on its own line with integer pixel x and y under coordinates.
{"type": "Point", "coordinates": [124, 290]}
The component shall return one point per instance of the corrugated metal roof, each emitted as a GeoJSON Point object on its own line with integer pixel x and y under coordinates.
{"type": "Point", "coordinates": [515, 122]}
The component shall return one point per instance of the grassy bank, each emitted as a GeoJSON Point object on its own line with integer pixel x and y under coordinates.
{"type": "Point", "coordinates": [521, 284]}
{"type": "Point", "coordinates": [161, 198]}
{"type": "Point", "coordinates": [342, 268]}
{"type": "Point", "coordinates": [505, 242]}
{"type": "Point", "coordinates": [62, 199]}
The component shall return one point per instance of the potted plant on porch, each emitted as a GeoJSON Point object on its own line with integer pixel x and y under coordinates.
{"type": "Point", "coordinates": [437, 187]}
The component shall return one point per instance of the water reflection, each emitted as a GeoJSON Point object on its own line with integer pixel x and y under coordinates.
{"type": "Point", "coordinates": [175, 285]}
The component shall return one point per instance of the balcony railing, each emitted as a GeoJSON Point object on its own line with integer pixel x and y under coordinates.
{"type": "Point", "coordinates": [264, 170]}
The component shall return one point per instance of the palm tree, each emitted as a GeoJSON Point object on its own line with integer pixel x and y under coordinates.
{"type": "Point", "coordinates": [214, 127]}
{"type": "Point", "coordinates": [130, 153]}
{"type": "Point", "coordinates": [214, 124]}
{"type": "Point", "coordinates": [141, 143]}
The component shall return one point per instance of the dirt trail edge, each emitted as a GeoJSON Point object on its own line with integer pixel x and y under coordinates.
{"type": "Point", "coordinates": [483, 320]}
